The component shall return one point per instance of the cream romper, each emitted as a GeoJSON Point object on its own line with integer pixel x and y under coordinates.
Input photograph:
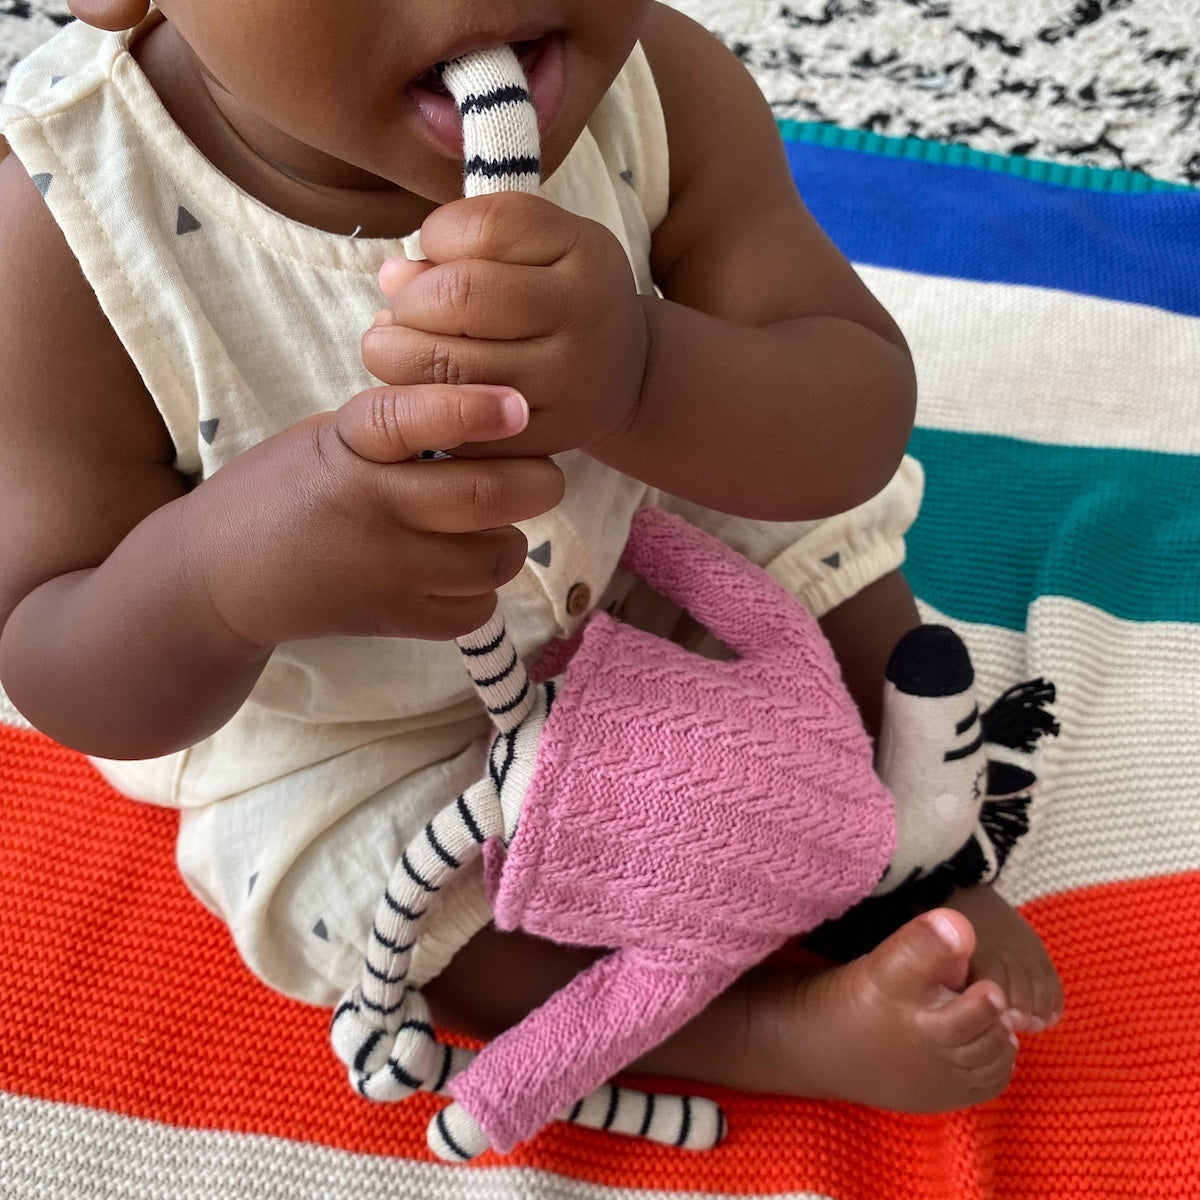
{"type": "Point", "coordinates": [243, 322]}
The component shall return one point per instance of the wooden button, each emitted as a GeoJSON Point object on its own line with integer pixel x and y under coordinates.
{"type": "Point", "coordinates": [579, 598]}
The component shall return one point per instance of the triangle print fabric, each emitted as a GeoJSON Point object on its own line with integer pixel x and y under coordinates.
{"type": "Point", "coordinates": [1056, 327]}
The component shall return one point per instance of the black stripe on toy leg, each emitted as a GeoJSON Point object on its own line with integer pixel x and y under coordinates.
{"type": "Point", "coordinates": [444, 1073]}
{"type": "Point", "coordinates": [444, 1130]}
{"type": "Point", "coordinates": [388, 944]}
{"type": "Point", "coordinates": [492, 168]}
{"type": "Point", "coordinates": [614, 1102]}
{"type": "Point", "coordinates": [386, 980]}
{"type": "Point", "coordinates": [400, 910]}
{"type": "Point", "coordinates": [509, 94]}
{"type": "Point", "coordinates": [685, 1121]}
{"type": "Point", "coordinates": [648, 1115]}
{"type": "Point", "coordinates": [411, 872]}
{"type": "Point", "coordinates": [401, 1076]}
{"type": "Point", "coordinates": [479, 651]}
{"type": "Point", "coordinates": [508, 743]}
{"type": "Point", "coordinates": [364, 1051]}
{"type": "Point", "coordinates": [500, 676]}
{"type": "Point", "coordinates": [519, 698]}
{"type": "Point", "coordinates": [440, 850]}
{"type": "Point", "coordinates": [469, 820]}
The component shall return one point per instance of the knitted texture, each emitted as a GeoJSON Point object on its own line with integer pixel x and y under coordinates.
{"type": "Point", "coordinates": [692, 813]}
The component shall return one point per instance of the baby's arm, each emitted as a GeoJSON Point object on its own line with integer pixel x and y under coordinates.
{"type": "Point", "coordinates": [137, 614]}
{"type": "Point", "coordinates": [776, 385]}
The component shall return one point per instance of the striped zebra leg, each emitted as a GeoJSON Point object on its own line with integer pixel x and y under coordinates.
{"type": "Point", "coordinates": [382, 1030]}
{"type": "Point", "coordinates": [687, 1122]}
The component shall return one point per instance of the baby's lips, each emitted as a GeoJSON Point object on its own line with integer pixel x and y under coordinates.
{"type": "Point", "coordinates": [396, 272]}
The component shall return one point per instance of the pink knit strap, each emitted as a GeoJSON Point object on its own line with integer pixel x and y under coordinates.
{"type": "Point", "coordinates": [729, 595]}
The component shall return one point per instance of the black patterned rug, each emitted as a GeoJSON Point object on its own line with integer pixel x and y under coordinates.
{"type": "Point", "coordinates": [1103, 83]}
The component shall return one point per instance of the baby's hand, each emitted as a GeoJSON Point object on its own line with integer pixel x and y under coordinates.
{"type": "Point", "coordinates": [519, 292]}
{"type": "Point", "coordinates": [333, 527]}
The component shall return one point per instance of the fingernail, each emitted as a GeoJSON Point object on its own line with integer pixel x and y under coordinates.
{"type": "Point", "coordinates": [515, 408]}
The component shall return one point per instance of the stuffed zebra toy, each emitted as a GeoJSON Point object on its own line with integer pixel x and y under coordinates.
{"type": "Point", "coordinates": [692, 815]}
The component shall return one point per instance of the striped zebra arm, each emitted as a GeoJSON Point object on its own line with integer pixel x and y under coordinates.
{"type": "Point", "coordinates": [501, 146]}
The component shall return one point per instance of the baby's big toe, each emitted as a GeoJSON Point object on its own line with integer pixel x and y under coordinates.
{"type": "Point", "coordinates": [925, 960]}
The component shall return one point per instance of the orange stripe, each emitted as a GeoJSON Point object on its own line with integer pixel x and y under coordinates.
{"type": "Point", "coordinates": [119, 992]}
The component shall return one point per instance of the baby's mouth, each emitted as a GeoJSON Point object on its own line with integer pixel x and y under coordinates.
{"type": "Point", "coordinates": [528, 54]}
{"type": "Point", "coordinates": [542, 61]}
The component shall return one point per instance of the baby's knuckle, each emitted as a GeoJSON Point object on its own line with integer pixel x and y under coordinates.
{"type": "Point", "coordinates": [478, 223]}
{"type": "Point", "coordinates": [487, 494]}
{"type": "Point", "coordinates": [506, 558]}
{"type": "Point", "coordinates": [381, 421]}
{"type": "Point", "coordinates": [454, 287]}
{"type": "Point", "coordinates": [440, 365]}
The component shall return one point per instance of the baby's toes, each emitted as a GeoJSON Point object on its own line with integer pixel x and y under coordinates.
{"type": "Point", "coordinates": [985, 1066]}
{"type": "Point", "coordinates": [969, 1016]}
{"type": "Point", "coordinates": [1046, 1003]}
{"type": "Point", "coordinates": [978, 1050]}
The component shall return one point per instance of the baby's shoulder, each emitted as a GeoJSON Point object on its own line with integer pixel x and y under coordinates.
{"type": "Point", "coordinates": [42, 285]}
{"type": "Point", "coordinates": [59, 355]}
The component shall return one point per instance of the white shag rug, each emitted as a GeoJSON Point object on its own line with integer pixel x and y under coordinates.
{"type": "Point", "coordinates": [1103, 83]}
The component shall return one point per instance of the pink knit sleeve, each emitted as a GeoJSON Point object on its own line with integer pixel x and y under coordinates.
{"type": "Point", "coordinates": [606, 1017]}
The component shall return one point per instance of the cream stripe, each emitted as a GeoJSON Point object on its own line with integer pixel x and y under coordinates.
{"type": "Point", "coordinates": [1046, 365]}
{"type": "Point", "coordinates": [61, 1152]}
{"type": "Point", "coordinates": [9, 714]}
{"type": "Point", "coordinates": [1118, 799]}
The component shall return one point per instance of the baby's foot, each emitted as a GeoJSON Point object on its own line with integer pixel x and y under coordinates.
{"type": "Point", "coordinates": [1009, 953]}
{"type": "Point", "coordinates": [902, 1028]}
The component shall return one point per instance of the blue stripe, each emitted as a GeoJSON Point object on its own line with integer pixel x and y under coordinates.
{"type": "Point", "coordinates": [1005, 521]}
{"type": "Point", "coordinates": [960, 221]}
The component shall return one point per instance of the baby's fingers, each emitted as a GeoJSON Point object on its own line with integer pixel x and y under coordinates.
{"type": "Point", "coordinates": [390, 425]}
{"type": "Point", "coordinates": [469, 495]}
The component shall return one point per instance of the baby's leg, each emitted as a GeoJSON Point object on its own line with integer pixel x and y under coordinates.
{"type": "Point", "coordinates": [901, 1028]}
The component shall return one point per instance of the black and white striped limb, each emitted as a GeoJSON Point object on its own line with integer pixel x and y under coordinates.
{"type": "Point", "coordinates": [685, 1122]}
{"type": "Point", "coordinates": [501, 147]}
{"type": "Point", "coordinates": [382, 1030]}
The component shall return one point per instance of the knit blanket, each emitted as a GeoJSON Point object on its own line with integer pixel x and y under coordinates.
{"type": "Point", "coordinates": [1054, 314]}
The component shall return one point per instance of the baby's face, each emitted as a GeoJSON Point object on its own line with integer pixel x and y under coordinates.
{"type": "Point", "coordinates": [352, 79]}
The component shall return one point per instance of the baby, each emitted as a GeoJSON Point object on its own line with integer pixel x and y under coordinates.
{"type": "Point", "coordinates": [229, 574]}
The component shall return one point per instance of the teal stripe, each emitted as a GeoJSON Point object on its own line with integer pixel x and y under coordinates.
{"type": "Point", "coordinates": [1095, 179]}
{"type": "Point", "coordinates": [1005, 521]}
